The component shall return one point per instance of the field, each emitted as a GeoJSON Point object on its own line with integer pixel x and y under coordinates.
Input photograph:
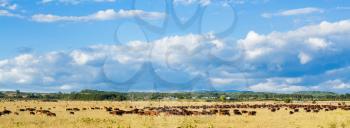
{"type": "Point", "coordinates": [100, 118]}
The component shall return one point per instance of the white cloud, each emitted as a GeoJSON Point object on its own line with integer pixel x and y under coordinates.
{"type": "Point", "coordinates": [304, 58]}
{"type": "Point", "coordinates": [189, 2]}
{"type": "Point", "coordinates": [303, 44]}
{"type": "Point", "coordinates": [180, 58]}
{"type": "Point", "coordinates": [9, 14]}
{"type": "Point", "coordinates": [271, 86]}
{"type": "Point", "coordinates": [102, 15]}
{"type": "Point", "coordinates": [74, 2]}
{"type": "Point", "coordinates": [104, 0]}
{"type": "Point", "coordinates": [66, 87]}
{"type": "Point", "coordinates": [221, 81]}
{"type": "Point", "coordinates": [83, 66]}
{"type": "Point", "coordinates": [292, 12]}
{"type": "Point", "coordinates": [46, 1]}
{"type": "Point", "coordinates": [336, 84]}
{"type": "Point", "coordinates": [8, 5]}
{"type": "Point", "coordinates": [3, 62]}
{"type": "Point", "coordinates": [13, 7]}
{"type": "Point", "coordinates": [317, 43]}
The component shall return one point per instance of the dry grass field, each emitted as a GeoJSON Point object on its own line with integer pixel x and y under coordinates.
{"type": "Point", "coordinates": [102, 119]}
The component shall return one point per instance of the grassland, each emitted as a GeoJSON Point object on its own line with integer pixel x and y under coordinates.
{"type": "Point", "coordinates": [102, 119]}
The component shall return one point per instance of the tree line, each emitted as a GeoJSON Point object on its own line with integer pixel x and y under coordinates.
{"type": "Point", "coordinates": [95, 95]}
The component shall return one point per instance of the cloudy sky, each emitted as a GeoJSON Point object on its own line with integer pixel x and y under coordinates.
{"type": "Point", "coordinates": [175, 45]}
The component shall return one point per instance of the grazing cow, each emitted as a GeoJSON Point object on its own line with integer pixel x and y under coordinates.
{"type": "Point", "coordinates": [117, 112]}
{"type": "Point", "coordinates": [151, 113]}
{"type": "Point", "coordinates": [237, 112]}
{"type": "Point", "coordinates": [252, 113]}
{"type": "Point", "coordinates": [16, 113]}
{"type": "Point", "coordinates": [224, 112]}
{"type": "Point", "coordinates": [30, 109]}
{"type": "Point", "coordinates": [72, 113]}
{"type": "Point", "coordinates": [1, 114]}
{"type": "Point", "coordinates": [109, 109]}
{"type": "Point", "coordinates": [50, 114]}
{"type": "Point", "coordinates": [42, 111]}
{"type": "Point", "coordinates": [6, 112]}
{"type": "Point", "coordinates": [273, 110]}
{"type": "Point", "coordinates": [32, 113]}
{"type": "Point", "coordinates": [244, 111]}
{"type": "Point", "coordinates": [214, 111]}
{"type": "Point", "coordinates": [296, 110]}
{"type": "Point", "coordinates": [291, 112]}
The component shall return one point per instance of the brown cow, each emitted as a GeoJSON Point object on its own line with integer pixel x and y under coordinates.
{"type": "Point", "coordinates": [291, 112]}
{"type": "Point", "coordinates": [252, 113]}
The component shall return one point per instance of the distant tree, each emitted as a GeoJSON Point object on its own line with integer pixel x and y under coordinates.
{"type": "Point", "coordinates": [2, 95]}
{"type": "Point", "coordinates": [222, 98]}
{"type": "Point", "coordinates": [288, 100]}
{"type": "Point", "coordinates": [34, 96]}
{"type": "Point", "coordinates": [18, 94]}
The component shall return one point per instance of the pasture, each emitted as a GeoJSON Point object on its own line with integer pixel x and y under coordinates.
{"type": "Point", "coordinates": [173, 114]}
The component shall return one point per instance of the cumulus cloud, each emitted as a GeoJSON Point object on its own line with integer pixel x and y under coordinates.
{"type": "Point", "coordinates": [312, 57]}
{"type": "Point", "coordinates": [8, 5]}
{"type": "Point", "coordinates": [304, 58]}
{"type": "Point", "coordinates": [271, 86]}
{"type": "Point", "coordinates": [288, 52]}
{"type": "Point", "coordinates": [81, 68]}
{"type": "Point", "coordinates": [74, 2]}
{"type": "Point", "coordinates": [293, 12]}
{"type": "Point", "coordinates": [189, 2]}
{"type": "Point", "coordinates": [108, 14]}
{"type": "Point", "coordinates": [7, 13]}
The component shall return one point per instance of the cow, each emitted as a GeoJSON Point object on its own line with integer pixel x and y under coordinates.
{"type": "Point", "coordinates": [244, 111]}
{"type": "Point", "coordinates": [237, 112]}
{"type": "Point", "coordinates": [291, 112]}
{"type": "Point", "coordinates": [224, 112]}
{"type": "Point", "coordinates": [252, 113]}
{"type": "Point", "coordinates": [273, 110]}
{"type": "Point", "coordinates": [117, 112]}
{"type": "Point", "coordinates": [50, 114]}
{"type": "Point", "coordinates": [6, 112]}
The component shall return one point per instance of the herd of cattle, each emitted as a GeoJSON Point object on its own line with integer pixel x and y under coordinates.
{"type": "Point", "coordinates": [233, 109]}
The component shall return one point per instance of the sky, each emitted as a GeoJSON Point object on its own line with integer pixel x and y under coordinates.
{"type": "Point", "coordinates": [280, 46]}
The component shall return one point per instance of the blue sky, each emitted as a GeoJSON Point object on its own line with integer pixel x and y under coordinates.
{"type": "Point", "coordinates": [175, 45]}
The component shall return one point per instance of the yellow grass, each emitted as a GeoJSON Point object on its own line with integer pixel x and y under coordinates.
{"type": "Point", "coordinates": [102, 119]}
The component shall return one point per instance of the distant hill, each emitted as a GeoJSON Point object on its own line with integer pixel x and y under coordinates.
{"type": "Point", "coordinates": [316, 93]}
{"type": "Point", "coordinates": [221, 91]}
